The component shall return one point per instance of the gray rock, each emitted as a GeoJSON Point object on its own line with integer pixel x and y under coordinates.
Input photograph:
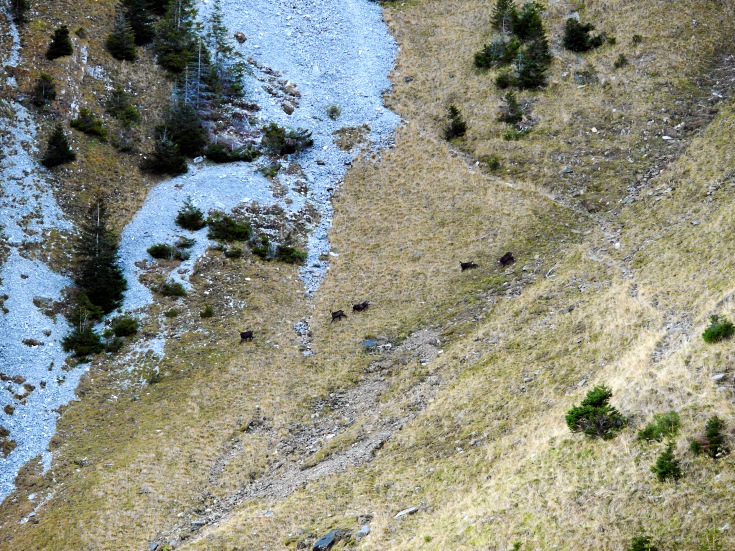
{"type": "Point", "coordinates": [566, 170]}
{"type": "Point", "coordinates": [405, 512]}
{"type": "Point", "coordinates": [197, 524]}
{"type": "Point", "coordinates": [327, 542]}
{"type": "Point", "coordinates": [152, 546]}
{"type": "Point", "coordinates": [719, 377]}
{"type": "Point", "coordinates": [362, 532]}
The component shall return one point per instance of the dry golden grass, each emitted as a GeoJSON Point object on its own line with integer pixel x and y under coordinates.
{"type": "Point", "coordinates": [487, 458]}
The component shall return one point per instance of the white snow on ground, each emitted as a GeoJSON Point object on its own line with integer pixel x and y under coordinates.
{"type": "Point", "coordinates": [27, 212]}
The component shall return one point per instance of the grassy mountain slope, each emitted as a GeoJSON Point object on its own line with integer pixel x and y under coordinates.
{"type": "Point", "coordinates": [619, 264]}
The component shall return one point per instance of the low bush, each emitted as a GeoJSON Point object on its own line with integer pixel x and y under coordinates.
{"type": "Point", "coordinates": [290, 255]}
{"type": "Point", "coordinates": [190, 217]}
{"type": "Point", "coordinates": [233, 252]}
{"type": "Point", "coordinates": [456, 127]}
{"type": "Point", "coordinates": [281, 141]}
{"type": "Point", "coordinates": [226, 228]}
{"type": "Point", "coordinates": [595, 417]}
{"type": "Point", "coordinates": [577, 36]}
{"type": "Point", "coordinates": [642, 543]}
{"type": "Point", "coordinates": [271, 170]}
{"type": "Point", "coordinates": [504, 80]}
{"type": "Point", "coordinates": [162, 251]}
{"type": "Point", "coordinates": [664, 425]}
{"type": "Point", "coordinates": [90, 124]}
{"type": "Point", "coordinates": [207, 312]}
{"type": "Point", "coordinates": [219, 153]}
{"type": "Point", "coordinates": [713, 441]}
{"type": "Point", "coordinates": [620, 62]}
{"type": "Point", "coordinates": [172, 289]}
{"type": "Point", "coordinates": [125, 326]}
{"type": "Point", "coordinates": [262, 247]}
{"type": "Point", "coordinates": [334, 111]}
{"type": "Point", "coordinates": [720, 328]}
{"type": "Point", "coordinates": [83, 342]}
{"type": "Point", "coordinates": [171, 313]}
{"type": "Point", "coordinates": [513, 134]}
{"type": "Point", "coordinates": [667, 466]}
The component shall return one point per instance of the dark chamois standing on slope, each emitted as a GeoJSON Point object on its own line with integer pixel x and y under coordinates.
{"type": "Point", "coordinates": [467, 265]}
{"type": "Point", "coordinates": [506, 259]}
{"type": "Point", "coordinates": [246, 336]}
{"type": "Point", "coordinates": [364, 305]}
{"type": "Point", "coordinates": [338, 315]}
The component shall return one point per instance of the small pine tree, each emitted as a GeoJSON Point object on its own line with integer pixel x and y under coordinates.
{"type": "Point", "coordinates": [90, 124]}
{"type": "Point", "coordinates": [503, 16]}
{"type": "Point", "coordinates": [176, 41]}
{"type": "Point", "coordinates": [529, 72]}
{"type": "Point", "coordinates": [663, 425]}
{"type": "Point", "coordinates": [510, 111]}
{"type": "Point", "coordinates": [98, 273]}
{"type": "Point", "coordinates": [60, 44]}
{"type": "Point", "coordinates": [44, 91]}
{"type": "Point", "coordinates": [121, 42]}
{"type": "Point", "coordinates": [58, 151]}
{"type": "Point", "coordinates": [166, 158]}
{"type": "Point", "coordinates": [190, 217]}
{"type": "Point", "coordinates": [83, 339]}
{"type": "Point", "coordinates": [667, 466]}
{"type": "Point", "coordinates": [120, 106]}
{"type": "Point", "coordinates": [499, 52]}
{"type": "Point", "coordinates": [456, 127]}
{"type": "Point", "coordinates": [595, 417]}
{"type": "Point", "coordinates": [527, 24]}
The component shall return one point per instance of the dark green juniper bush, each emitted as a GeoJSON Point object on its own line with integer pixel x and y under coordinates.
{"type": "Point", "coordinates": [226, 228]}
{"type": "Point", "coordinates": [281, 141]}
{"type": "Point", "coordinates": [642, 543]}
{"type": "Point", "coordinates": [577, 36]}
{"type": "Point", "coordinates": [664, 425]}
{"type": "Point", "coordinates": [595, 417]}
{"type": "Point", "coordinates": [720, 328]}
{"type": "Point", "coordinates": [90, 124]}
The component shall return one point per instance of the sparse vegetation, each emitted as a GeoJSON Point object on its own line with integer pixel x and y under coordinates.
{"type": "Point", "coordinates": [620, 62]}
{"type": "Point", "coordinates": [334, 111]}
{"type": "Point", "coordinates": [456, 127]}
{"type": "Point", "coordinates": [595, 417]}
{"type": "Point", "coordinates": [207, 312]}
{"type": "Point", "coordinates": [58, 151]}
{"type": "Point", "coordinates": [172, 289]}
{"type": "Point", "coordinates": [163, 251]}
{"type": "Point", "coordinates": [664, 425]}
{"type": "Point", "coordinates": [667, 466]}
{"type": "Point", "coordinates": [226, 228]}
{"type": "Point", "coordinates": [219, 153]}
{"type": "Point", "coordinates": [290, 255]}
{"type": "Point", "coordinates": [281, 141]}
{"type": "Point", "coordinates": [712, 443]}
{"type": "Point", "coordinates": [720, 328]}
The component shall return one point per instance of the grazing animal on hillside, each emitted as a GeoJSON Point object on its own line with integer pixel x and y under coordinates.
{"type": "Point", "coordinates": [338, 315]}
{"type": "Point", "coordinates": [467, 265]}
{"type": "Point", "coordinates": [246, 336]}
{"type": "Point", "coordinates": [364, 305]}
{"type": "Point", "coordinates": [506, 259]}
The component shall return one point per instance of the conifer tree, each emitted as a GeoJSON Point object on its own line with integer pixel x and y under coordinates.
{"type": "Point", "coordinates": [19, 10]}
{"type": "Point", "coordinates": [121, 42]}
{"type": "Point", "coordinates": [175, 42]}
{"type": "Point", "coordinates": [44, 90]}
{"type": "Point", "coordinates": [183, 126]}
{"type": "Point", "coordinates": [503, 16]}
{"type": "Point", "coordinates": [166, 158]}
{"type": "Point", "coordinates": [98, 273]}
{"type": "Point", "coordinates": [58, 151]}
{"type": "Point", "coordinates": [456, 127]}
{"type": "Point", "coordinates": [60, 44]}
{"type": "Point", "coordinates": [139, 16]}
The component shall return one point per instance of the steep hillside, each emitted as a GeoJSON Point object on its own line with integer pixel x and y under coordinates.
{"type": "Point", "coordinates": [449, 393]}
